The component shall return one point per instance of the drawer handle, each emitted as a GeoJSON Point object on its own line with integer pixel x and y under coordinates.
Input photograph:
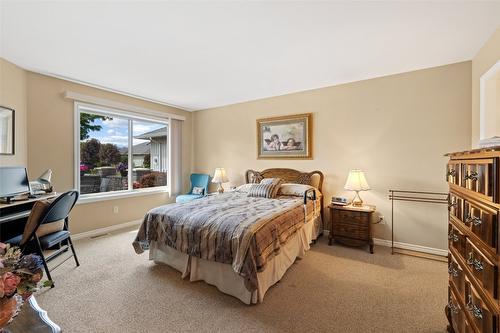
{"type": "Point", "coordinates": [451, 235]}
{"type": "Point", "coordinates": [471, 176]}
{"type": "Point", "coordinates": [475, 220]}
{"type": "Point", "coordinates": [453, 308]}
{"type": "Point", "coordinates": [452, 270]}
{"type": "Point", "coordinates": [476, 310]}
{"type": "Point", "coordinates": [477, 264]}
{"type": "Point", "coordinates": [452, 204]}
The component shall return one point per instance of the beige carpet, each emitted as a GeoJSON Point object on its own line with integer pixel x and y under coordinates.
{"type": "Point", "coordinates": [334, 289]}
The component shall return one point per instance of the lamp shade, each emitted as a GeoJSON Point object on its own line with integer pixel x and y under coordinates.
{"type": "Point", "coordinates": [46, 176]}
{"type": "Point", "coordinates": [356, 181]}
{"type": "Point", "coordinates": [220, 176]}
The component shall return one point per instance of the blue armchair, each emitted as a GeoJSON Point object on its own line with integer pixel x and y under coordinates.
{"type": "Point", "coordinates": [197, 180]}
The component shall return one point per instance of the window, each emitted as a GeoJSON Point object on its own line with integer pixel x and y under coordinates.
{"type": "Point", "coordinates": [119, 152]}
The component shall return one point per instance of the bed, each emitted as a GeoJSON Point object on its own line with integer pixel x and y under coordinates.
{"type": "Point", "coordinates": [241, 244]}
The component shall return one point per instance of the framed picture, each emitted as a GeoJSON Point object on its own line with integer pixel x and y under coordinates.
{"type": "Point", "coordinates": [7, 131]}
{"type": "Point", "coordinates": [285, 137]}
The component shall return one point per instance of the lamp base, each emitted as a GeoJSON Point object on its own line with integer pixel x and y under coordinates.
{"type": "Point", "coordinates": [220, 189]}
{"type": "Point", "coordinates": [357, 202]}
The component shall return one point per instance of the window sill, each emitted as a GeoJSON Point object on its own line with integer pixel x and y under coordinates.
{"type": "Point", "coordinates": [89, 198]}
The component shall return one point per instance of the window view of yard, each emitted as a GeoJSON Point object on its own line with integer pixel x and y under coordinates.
{"type": "Point", "coordinates": [105, 153]}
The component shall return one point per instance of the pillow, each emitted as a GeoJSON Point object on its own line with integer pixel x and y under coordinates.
{"type": "Point", "coordinates": [198, 190]}
{"type": "Point", "coordinates": [296, 190]}
{"type": "Point", "coordinates": [268, 188]}
{"type": "Point", "coordinates": [36, 214]}
{"type": "Point", "coordinates": [244, 188]}
{"type": "Point", "coordinates": [50, 228]}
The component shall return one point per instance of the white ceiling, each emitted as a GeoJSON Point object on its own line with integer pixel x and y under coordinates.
{"type": "Point", "coordinates": [202, 54]}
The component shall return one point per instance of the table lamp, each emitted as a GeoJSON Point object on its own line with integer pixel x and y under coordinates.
{"type": "Point", "coordinates": [356, 181]}
{"type": "Point", "coordinates": [219, 178]}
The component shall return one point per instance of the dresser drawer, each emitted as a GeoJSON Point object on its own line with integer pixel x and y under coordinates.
{"type": "Point", "coordinates": [457, 240]}
{"type": "Point", "coordinates": [479, 176]}
{"type": "Point", "coordinates": [483, 270]}
{"type": "Point", "coordinates": [456, 274]}
{"type": "Point", "coordinates": [453, 172]}
{"type": "Point", "coordinates": [456, 206]}
{"type": "Point", "coordinates": [482, 221]}
{"type": "Point", "coordinates": [482, 318]}
{"type": "Point", "coordinates": [456, 312]}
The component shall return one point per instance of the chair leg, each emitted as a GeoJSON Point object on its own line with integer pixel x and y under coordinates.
{"type": "Point", "coordinates": [40, 252]}
{"type": "Point", "coordinates": [73, 250]}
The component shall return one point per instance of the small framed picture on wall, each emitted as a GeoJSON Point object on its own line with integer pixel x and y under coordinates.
{"type": "Point", "coordinates": [7, 131]}
{"type": "Point", "coordinates": [285, 137]}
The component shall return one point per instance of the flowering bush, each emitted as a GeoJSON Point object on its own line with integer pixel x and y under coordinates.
{"type": "Point", "coordinates": [84, 167]}
{"type": "Point", "coordinates": [20, 277]}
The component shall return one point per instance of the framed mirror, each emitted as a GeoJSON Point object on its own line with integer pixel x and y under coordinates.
{"type": "Point", "coordinates": [7, 131]}
{"type": "Point", "coordinates": [489, 107]}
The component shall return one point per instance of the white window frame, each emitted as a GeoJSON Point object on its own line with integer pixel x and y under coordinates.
{"type": "Point", "coordinates": [130, 116]}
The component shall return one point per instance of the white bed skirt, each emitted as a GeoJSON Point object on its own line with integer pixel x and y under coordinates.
{"type": "Point", "coordinates": [223, 276]}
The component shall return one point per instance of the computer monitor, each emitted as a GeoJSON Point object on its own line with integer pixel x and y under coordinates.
{"type": "Point", "coordinates": [13, 182]}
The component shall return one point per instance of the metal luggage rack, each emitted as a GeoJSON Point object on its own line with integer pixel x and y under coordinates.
{"type": "Point", "coordinates": [413, 196]}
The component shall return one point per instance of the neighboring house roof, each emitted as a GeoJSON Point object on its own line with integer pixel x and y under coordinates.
{"type": "Point", "coordinates": [153, 134]}
{"type": "Point", "coordinates": [139, 149]}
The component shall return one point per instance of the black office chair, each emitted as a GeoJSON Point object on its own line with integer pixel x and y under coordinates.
{"type": "Point", "coordinates": [58, 210]}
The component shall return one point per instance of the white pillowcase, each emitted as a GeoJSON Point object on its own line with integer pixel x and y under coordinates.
{"type": "Point", "coordinates": [296, 190]}
{"type": "Point", "coordinates": [244, 188]}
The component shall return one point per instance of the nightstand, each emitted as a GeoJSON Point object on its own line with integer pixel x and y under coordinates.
{"type": "Point", "coordinates": [351, 225]}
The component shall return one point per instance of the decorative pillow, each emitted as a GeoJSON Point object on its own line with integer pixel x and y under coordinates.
{"type": "Point", "coordinates": [37, 211]}
{"type": "Point", "coordinates": [268, 188]}
{"type": "Point", "coordinates": [198, 190]}
{"type": "Point", "coordinates": [50, 228]}
{"type": "Point", "coordinates": [296, 190]}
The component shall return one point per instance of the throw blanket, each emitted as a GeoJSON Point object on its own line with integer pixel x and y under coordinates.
{"type": "Point", "coordinates": [230, 228]}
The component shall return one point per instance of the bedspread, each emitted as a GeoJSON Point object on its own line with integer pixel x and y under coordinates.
{"type": "Point", "coordinates": [230, 228]}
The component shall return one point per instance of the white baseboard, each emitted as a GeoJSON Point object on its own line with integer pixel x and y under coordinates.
{"type": "Point", "coordinates": [406, 246]}
{"type": "Point", "coordinates": [411, 247]}
{"type": "Point", "coordinates": [105, 230]}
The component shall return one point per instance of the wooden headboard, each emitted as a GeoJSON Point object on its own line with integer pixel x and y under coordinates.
{"type": "Point", "coordinates": [314, 178]}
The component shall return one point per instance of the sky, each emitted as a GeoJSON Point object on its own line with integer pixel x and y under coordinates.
{"type": "Point", "coordinates": [116, 131]}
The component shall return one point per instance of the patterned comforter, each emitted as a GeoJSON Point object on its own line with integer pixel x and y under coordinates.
{"type": "Point", "coordinates": [230, 228]}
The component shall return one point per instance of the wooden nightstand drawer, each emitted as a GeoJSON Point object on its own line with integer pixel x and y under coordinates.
{"type": "Point", "coordinates": [351, 231]}
{"type": "Point", "coordinates": [357, 218]}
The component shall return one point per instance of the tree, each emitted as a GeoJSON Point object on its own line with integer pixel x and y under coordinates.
{"type": "Point", "coordinates": [147, 161]}
{"type": "Point", "coordinates": [87, 124]}
{"type": "Point", "coordinates": [89, 152]}
{"type": "Point", "coordinates": [109, 154]}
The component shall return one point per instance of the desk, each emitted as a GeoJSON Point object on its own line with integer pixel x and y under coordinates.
{"type": "Point", "coordinates": [13, 216]}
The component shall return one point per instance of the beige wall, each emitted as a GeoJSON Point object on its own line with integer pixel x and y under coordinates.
{"type": "Point", "coordinates": [396, 128]}
{"type": "Point", "coordinates": [487, 56]}
{"type": "Point", "coordinates": [51, 140]}
{"type": "Point", "coordinates": [13, 95]}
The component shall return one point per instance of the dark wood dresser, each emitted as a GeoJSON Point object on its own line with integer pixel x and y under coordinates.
{"type": "Point", "coordinates": [473, 257]}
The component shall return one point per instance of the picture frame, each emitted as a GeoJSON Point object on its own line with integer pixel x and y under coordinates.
{"type": "Point", "coordinates": [7, 131]}
{"type": "Point", "coordinates": [285, 137]}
